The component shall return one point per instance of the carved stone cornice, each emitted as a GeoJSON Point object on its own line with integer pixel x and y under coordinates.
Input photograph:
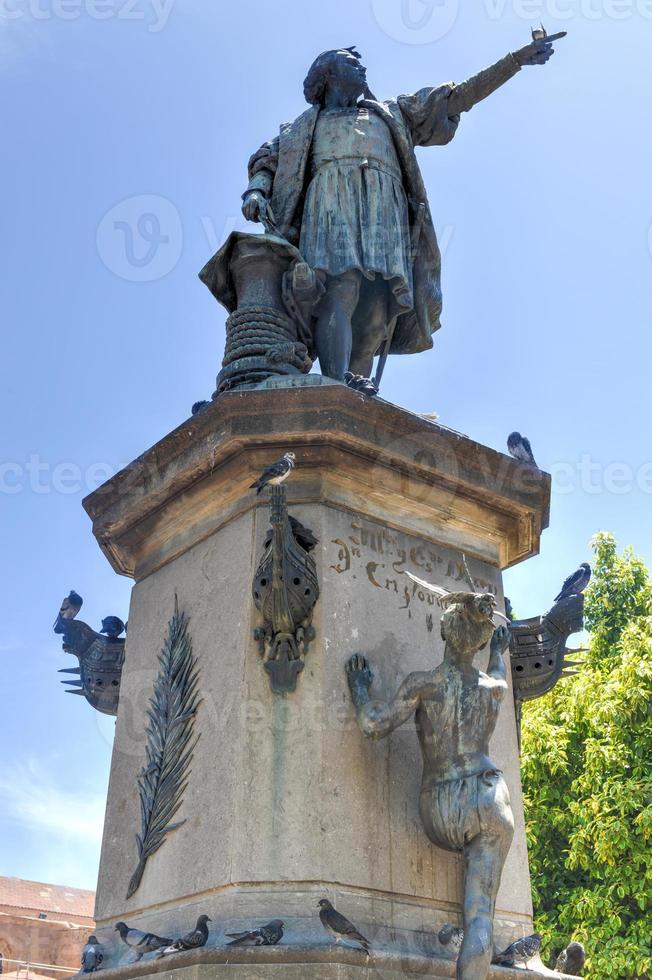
{"type": "Point", "coordinates": [354, 453]}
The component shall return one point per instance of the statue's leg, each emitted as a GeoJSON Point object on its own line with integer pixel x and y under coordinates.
{"type": "Point", "coordinates": [484, 859]}
{"type": "Point", "coordinates": [369, 326]}
{"type": "Point", "coordinates": [333, 331]}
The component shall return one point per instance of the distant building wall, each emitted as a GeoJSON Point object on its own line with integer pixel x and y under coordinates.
{"type": "Point", "coordinates": [43, 924]}
{"type": "Point", "coordinates": [34, 940]}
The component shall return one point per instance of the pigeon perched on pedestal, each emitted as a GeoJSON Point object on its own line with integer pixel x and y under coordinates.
{"type": "Point", "coordinates": [339, 927]}
{"type": "Point", "coordinates": [575, 583]}
{"type": "Point", "coordinates": [521, 951]}
{"type": "Point", "coordinates": [92, 955]}
{"type": "Point", "coordinates": [112, 626]}
{"type": "Point", "coordinates": [69, 607]}
{"type": "Point", "coordinates": [268, 935]}
{"type": "Point", "coordinates": [275, 473]}
{"type": "Point", "coordinates": [199, 407]}
{"type": "Point", "coordinates": [571, 960]}
{"type": "Point", "coordinates": [451, 937]}
{"type": "Point", "coordinates": [141, 942]}
{"type": "Point", "coordinates": [519, 447]}
{"type": "Point", "coordinates": [194, 939]}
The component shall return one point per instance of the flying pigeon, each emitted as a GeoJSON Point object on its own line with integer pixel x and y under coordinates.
{"type": "Point", "coordinates": [268, 935]}
{"type": "Point", "coordinates": [521, 951]}
{"type": "Point", "coordinates": [69, 607]}
{"type": "Point", "coordinates": [275, 473]}
{"type": "Point", "coordinates": [192, 940]}
{"type": "Point", "coordinates": [519, 447]}
{"type": "Point", "coordinates": [112, 626]}
{"type": "Point", "coordinates": [452, 937]}
{"type": "Point", "coordinates": [92, 955]}
{"type": "Point", "coordinates": [339, 927]}
{"type": "Point", "coordinates": [575, 583]}
{"type": "Point", "coordinates": [141, 942]}
{"type": "Point", "coordinates": [571, 960]}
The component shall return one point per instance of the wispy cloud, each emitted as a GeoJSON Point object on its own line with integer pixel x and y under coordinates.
{"type": "Point", "coordinates": [60, 828]}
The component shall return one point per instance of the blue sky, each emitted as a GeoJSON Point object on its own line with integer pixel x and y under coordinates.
{"type": "Point", "coordinates": [116, 110]}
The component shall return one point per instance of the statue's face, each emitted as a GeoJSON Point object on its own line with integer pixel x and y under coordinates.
{"type": "Point", "coordinates": [485, 605]}
{"type": "Point", "coordinates": [348, 74]}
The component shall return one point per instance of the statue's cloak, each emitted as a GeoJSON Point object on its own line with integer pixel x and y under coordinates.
{"type": "Point", "coordinates": [280, 170]}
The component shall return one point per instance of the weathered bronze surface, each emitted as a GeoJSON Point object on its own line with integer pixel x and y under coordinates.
{"type": "Point", "coordinates": [427, 479]}
{"type": "Point", "coordinates": [285, 591]}
{"type": "Point", "coordinates": [269, 292]}
{"type": "Point", "coordinates": [538, 650]}
{"type": "Point", "coordinates": [170, 743]}
{"type": "Point", "coordinates": [343, 186]}
{"type": "Point", "coordinates": [464, 801]}
{"type": "Point", "coordinates": [97, 678]}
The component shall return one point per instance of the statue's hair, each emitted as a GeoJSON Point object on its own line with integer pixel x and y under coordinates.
{"type": "Point", "coordinates": [314, 86]}
{"type": "Point", "coordinates": [463, 627]}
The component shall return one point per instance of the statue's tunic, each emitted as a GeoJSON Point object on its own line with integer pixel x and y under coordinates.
{"type": "Point", "coordinates": [355, 214]}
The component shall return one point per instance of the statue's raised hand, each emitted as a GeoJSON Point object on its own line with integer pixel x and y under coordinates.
{"type": "Point", "coordinates": [536, 53]}
{"type": "Point", "coordinates": [254, 206]}
{"type": "Point", "coordinates": [500, 639]}
{"type": "Point", "coordinates": [359, 677]}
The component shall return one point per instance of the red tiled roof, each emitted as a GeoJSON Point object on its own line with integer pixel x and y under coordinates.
{"type": "Point", "coordinates": [21, 894]}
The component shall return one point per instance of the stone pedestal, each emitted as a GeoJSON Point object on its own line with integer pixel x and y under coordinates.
{"type": "Point", "coordinates": [287, 802]}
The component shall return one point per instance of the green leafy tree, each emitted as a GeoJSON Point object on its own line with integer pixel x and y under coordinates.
{"type": "Point", "coordinates": [587, 776]}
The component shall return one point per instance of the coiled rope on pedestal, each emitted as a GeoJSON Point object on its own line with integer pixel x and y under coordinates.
{"type": "Point", "coordinates": [261, 331]}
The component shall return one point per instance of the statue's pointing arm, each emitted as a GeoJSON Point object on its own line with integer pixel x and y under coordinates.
{"type": "Point", "coordinates": [467, 94]}
{"type": "Point", "coordinates": [433, 114]}
{"type": "Point", "coordinates": [378, 718]}
{"type": "Point", "coordinates": [261, 169]}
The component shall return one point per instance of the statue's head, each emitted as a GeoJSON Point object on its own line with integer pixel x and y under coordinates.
{"type": "Point", "coordinates": [342, 68]}
{"type": "Point", "coordinates": [467, 625]}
